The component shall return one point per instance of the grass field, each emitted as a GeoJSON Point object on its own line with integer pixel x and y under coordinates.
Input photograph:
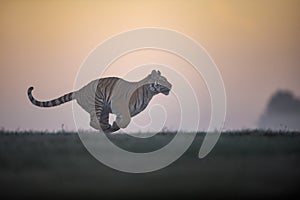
{"type": "Point", "coordinates": [248, 164]}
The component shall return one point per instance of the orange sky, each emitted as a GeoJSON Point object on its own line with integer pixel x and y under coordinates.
{"type": "Point", "coordinates": [43, 43]}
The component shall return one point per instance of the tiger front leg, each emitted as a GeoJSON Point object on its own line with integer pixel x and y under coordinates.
{"type": "Point", "coordinates": [123, 117]}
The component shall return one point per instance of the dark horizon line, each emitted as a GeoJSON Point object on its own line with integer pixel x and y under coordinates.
{"type": "Point", "coordinates": [265, 132]}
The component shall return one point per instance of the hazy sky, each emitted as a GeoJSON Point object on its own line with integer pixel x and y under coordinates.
{"type": "Point", "coordinates": [255, 44]}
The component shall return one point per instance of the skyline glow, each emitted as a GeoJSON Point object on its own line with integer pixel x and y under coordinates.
{"type": "Point", "coordinates": [255, 44]}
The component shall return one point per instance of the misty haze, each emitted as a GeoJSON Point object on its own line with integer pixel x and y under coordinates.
{"type": "Point", "coordinates": [282, 112]}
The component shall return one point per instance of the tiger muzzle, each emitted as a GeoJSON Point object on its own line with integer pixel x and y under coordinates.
{"type": "Point", "coordinates": [165, 90]}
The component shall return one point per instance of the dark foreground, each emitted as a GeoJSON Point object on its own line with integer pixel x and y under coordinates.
{"type": "Point", "coordinates": [242, 165]}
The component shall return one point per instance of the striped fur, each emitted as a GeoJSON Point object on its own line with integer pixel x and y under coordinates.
{"type": "Point", "coordinates": [96, 98]}
{"type": "Point", "coordinates": [55, 102]}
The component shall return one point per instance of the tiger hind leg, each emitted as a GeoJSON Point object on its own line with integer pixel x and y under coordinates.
{"type": "Point", "coordinates": [114, 127]}
{"type": "Point", "coordinates": [100, 124]}
{"type": "Point", "coordinates": [104, 127]}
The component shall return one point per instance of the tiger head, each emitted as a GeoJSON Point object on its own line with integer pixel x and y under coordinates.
{"type": "Point", "coordinates": [159, 84]}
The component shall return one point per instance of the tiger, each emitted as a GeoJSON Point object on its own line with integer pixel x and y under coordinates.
{"type": "Point", "coordinates": [112, 95]}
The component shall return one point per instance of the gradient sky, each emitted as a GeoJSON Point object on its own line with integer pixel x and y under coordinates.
{"type": "Point", "coordinates": [255, 44]}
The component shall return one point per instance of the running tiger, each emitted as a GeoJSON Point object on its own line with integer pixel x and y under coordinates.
{"type": "Point", "coordinates": [112, 95]}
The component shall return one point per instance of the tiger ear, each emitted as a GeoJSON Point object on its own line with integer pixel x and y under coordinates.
{"type": "Point", "coordinates": [158, 72]}
{"type": "Point", "coordinates": [153, 74]}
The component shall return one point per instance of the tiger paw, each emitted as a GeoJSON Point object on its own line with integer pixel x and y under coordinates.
{"type": "Point", "coordinates": [114, 127]}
